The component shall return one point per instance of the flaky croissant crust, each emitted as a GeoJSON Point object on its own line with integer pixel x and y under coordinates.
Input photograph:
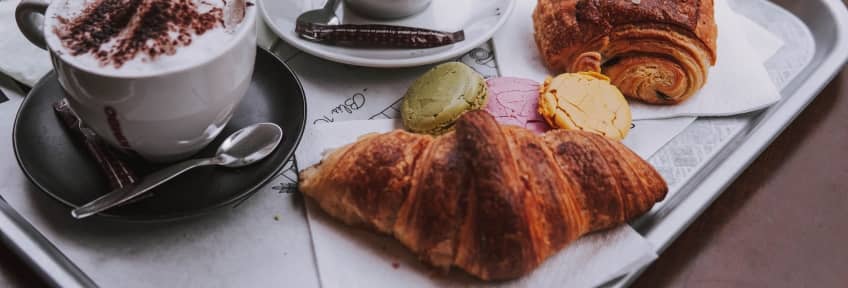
{"type": "Point", "coordinates": [495, 201]}
{"type": "Point", "coordinates": [657, 51]}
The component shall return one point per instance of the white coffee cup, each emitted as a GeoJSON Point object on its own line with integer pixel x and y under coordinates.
{"type": "Point", "coordinates": [162, 115]}
{"type": "Point", "coordinates": [387, 9]}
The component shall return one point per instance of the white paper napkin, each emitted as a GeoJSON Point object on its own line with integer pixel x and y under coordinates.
{"type": "Point", "coordinates": [764, 42]}
{"type": "Point", "coordinates": [739, 83]}
{"type": "Point", "coordinates": [19, 58]}
{"type": "Point", "coordinates": [351, 257]}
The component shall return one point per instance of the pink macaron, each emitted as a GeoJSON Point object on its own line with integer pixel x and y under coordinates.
{"type": "Point", "coordinates": [515, 101]}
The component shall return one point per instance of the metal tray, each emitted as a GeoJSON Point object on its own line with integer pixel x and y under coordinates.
{"type": "Point", "coordinates": [699, 164]}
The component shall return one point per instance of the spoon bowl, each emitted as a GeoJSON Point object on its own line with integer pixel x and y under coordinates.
{"type": "Point", "coordinates": [249, 145]}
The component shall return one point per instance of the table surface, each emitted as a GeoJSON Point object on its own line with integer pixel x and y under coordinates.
{"type": "Point", "coordinates": [781, 223]}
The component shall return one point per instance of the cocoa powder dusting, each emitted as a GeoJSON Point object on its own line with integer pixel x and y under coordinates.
{"type": "Point", "coordinates": [137, 26]}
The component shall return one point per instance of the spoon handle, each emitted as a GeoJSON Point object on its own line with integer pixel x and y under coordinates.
{"type": "Point", "coordinates": [332, 5]}
{"type": "Point", "coordinates": [121, 196]}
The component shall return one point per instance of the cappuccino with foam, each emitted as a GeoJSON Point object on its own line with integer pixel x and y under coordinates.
{"type": "Point", "coordinates": [154, 78]}
{"type": "Point", "coordinates": [136, 37]}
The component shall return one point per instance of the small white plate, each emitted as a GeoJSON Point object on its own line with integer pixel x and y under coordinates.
{"type": "Point", "coordinates": [479, 18]}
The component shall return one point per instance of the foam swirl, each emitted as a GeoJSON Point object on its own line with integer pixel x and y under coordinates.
{"type": "Point", "coordinates": [117, 31]}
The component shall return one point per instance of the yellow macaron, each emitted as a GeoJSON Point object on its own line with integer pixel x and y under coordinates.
{"type": "Point", "coordinates": [585, 101]}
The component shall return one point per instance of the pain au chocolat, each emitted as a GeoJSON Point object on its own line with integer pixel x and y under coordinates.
{"type": "Point", "coordinates": [656, 51]}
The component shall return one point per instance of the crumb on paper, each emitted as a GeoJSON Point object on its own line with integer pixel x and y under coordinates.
{"type": "Point", "coordinates": [276, 217]}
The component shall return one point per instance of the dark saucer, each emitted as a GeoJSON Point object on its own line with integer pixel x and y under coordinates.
{"type": "Point", "coordinates": [66, 172]}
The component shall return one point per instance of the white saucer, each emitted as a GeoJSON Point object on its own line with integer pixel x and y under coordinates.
{"type": "Point", "coordinates": [479, 18]}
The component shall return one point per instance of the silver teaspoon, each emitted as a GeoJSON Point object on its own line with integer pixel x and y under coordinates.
{"type": "Point", "coordinates": [323, 16]}
{"type": "Point", "coordinates": [242, 148]}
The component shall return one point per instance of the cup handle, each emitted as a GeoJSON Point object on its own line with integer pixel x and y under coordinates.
{"type": "Point", "coordinates": [32, 29]}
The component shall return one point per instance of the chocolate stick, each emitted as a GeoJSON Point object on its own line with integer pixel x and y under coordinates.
{"type": "Point", "coordinates": [116, 170]}
{"type": "Point", "coordinates": [377, 35]}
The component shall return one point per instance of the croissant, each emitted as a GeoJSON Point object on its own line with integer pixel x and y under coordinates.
{"type": "Point", "coordinates": [656, 51]}
{"type": "Point", "coordinates": [495, 201]}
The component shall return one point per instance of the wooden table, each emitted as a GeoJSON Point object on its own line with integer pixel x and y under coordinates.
{"type": "Point", "coordinates": [783, 223]}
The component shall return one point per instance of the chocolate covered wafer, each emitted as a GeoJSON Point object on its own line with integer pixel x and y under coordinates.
{"type": "Point", "coordinates": [118, 172]}
{"type": "Point", "coordinates": [377, 35]}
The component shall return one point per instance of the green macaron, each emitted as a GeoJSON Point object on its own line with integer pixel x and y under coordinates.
{"type": "Point", "coordinates": [436, 99]}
